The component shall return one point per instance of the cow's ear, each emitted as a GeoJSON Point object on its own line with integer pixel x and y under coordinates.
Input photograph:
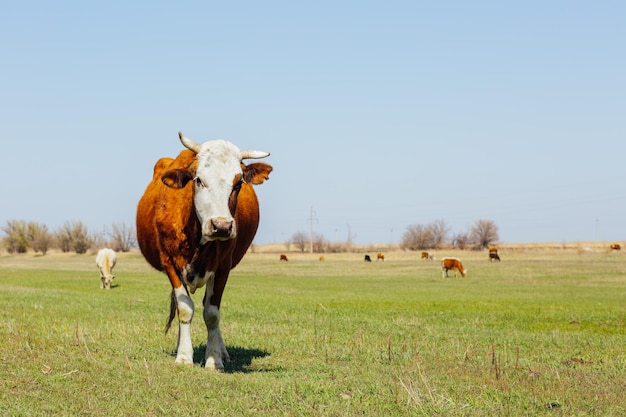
{"type": "Point", "coordinates": [176, 178]}
{"type": "Point", "coordinates": [256, 173]}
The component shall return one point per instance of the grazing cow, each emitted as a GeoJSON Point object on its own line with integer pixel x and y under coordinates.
{"type": "Point", "coordinates": [106, 260]}
{"type": "Point", "coordinates": [380, 256]}
{"type": "Point", "coordinates": [283, 257]}
{"type": "Point", "coordinates": [454, 264]}
{"type": "Point", "coordinates": [367, 258]}
{"type": "Point", "coordinates": [426, 255]}
{"type": "Point", "coordinates": [322, 258]}
{"type": "Point", "coordinates": [493, 254]}
{"type": "Point", "coordinates": [615, 246]}
{"type": "Point", "coordinates": [195, 222]}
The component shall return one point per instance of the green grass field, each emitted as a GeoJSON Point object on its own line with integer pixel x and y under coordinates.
{"type": "Point", "coordinates": [539, 334]}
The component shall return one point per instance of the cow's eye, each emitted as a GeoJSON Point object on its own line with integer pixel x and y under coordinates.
{"type": "Point", "coordinates": [198, 182]}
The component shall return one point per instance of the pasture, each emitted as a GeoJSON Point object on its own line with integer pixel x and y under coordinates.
{"type": "Point", "coordinates": [542, 333]}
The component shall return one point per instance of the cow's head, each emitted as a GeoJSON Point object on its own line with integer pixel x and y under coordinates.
{"type": "Point", "coordinates": [217, 179]}
{"type": "Point", "coordinates": [107, 280]}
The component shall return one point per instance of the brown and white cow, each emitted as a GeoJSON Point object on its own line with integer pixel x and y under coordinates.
{"type": "Point", "coordinates": [454, 264]}
{"type": "Point", "coordinates": [106, 260]}
{"type": "Point", "coordinates": [493, 253]}
{"type": "Point", "coordinates": [428, 256]}
{"type": "Point", "coordinates": [380, 257]}
{"type": "Point", "coordinates": [616, 246]}
{"type": "Point", "coordinates": [195, 222]}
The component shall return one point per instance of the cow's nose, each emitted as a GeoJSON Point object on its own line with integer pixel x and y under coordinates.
{"type": "Point", "coordinates": [221, 227]}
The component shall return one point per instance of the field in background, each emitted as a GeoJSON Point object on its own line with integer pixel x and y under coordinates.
{"type": "Point", "coordinates": [561, 247]}
{"type": "Point", "coordinates": [541, 333]}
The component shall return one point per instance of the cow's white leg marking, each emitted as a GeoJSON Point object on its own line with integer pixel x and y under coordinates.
{"type": "Point", "coordinates": [216, 353]}
{"type": "Point", "coordinates": [184, 349]}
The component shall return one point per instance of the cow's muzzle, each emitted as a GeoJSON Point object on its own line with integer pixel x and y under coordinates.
{"type": "Point", "coordinates": [220, 228]}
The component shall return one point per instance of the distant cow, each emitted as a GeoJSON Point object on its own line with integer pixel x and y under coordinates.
{"type": "Point", "coordinates": [616, 246]}
{"type": "Point", "coordinates": [322, 258]}
{"type": "Point", "coordinates": [493, 254]}
{"type": "Point", "coordinates": [195, 222]}
{"type": "Point", "coordinates": [283, 257]}
{"type": "Point", "coordinates": [454, 264]}
{"type": "Point", "coordinates": [367, 258]}
{"type": "Point", "coordinates": [106, 260]}
{"type": "Point", "coordinates": [380, 256]}
{"type": "Point", "coordinates": [426, 255]}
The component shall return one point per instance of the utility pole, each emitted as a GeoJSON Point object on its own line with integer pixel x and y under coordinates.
{"type": "Point", "coordinates": [311, 218]}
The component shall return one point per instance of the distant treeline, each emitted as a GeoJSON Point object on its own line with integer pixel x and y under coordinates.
{"type": "Point", "coordinates": [20, 236]}
{"type": "Point", "coordinates": [435, 235]}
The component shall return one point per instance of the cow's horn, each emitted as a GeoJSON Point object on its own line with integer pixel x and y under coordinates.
{"type": "Point", "coordinates": [254, 154]}
{"type": "Point", "coordinates": [188, 143]}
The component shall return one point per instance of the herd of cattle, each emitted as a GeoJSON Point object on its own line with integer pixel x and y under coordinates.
{"type": "Point", "coordinates": [447, 263]}
{"type": "Point", "coordinates": [195, 221]}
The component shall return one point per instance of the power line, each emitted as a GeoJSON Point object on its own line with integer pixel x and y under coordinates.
{"type": "Point", "coordinates": [312, 218]}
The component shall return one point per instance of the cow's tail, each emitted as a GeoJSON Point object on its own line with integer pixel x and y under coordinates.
{"type": "Point", "coordinates": [107, 264]}
{"type": "Point", "coordinates": [172, 312]}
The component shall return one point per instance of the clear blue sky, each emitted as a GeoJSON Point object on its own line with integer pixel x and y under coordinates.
{"type": "Point", "coordinates": [378, 114]}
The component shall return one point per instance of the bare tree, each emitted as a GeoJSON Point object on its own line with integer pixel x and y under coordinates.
{"type": "Point", "coordinates": [319, 243]}
{"type": "Point", "coordinates": [483, 233]}
{"type": "Point", "coordinates": [419, 236]}
{"type": "Point", "coordinates": [300, 240]}
{"type": "Point", "coordinates": [122, 237]}
{"type": "Point", "coordinates": [439, 231]}
{"type": "Point", "coordinates": [461, 240]}
{"type": "Point", "coordinates": [416, 237]}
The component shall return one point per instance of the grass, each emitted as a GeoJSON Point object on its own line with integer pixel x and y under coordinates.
{"type": "Point", "coordinates": [541, 333]}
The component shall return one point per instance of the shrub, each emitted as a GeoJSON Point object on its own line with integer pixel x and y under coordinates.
{"type": "Point", "coordinates": [122, 238]}
{"type": "Point", "coordinates": [16, 239]}
{"type": "Point", "coordinates": [74, 236]}
{"type": "Point", "coordinates": [39, 238]}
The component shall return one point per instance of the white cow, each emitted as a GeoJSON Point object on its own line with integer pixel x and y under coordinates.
{"type": "Point", "coordinates": [106, 259]}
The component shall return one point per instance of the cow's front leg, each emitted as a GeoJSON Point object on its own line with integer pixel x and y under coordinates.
{"type": "Point", "coordinates": [184, 305]}
{"type": "Point", "coordinates": [216, 353]}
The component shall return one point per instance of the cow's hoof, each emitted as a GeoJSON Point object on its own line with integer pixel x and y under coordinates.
{"type": "Point", "coordinates": [182, 360]}
{"type": "Point", "coordinates": [214, 366]}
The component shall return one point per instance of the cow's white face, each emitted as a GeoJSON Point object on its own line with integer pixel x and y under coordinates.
{"type": "Point", "coordinates": [216, 185]}
{"type": "Point", "coordinates": [217, 180]}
